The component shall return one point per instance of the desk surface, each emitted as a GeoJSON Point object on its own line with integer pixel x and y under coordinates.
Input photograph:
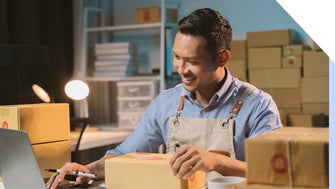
{"type": "Point", "coordinates": [93, 139]}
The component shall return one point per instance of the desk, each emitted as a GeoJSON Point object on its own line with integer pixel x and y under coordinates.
{"type": "Point", "coordinates": [93, 139]}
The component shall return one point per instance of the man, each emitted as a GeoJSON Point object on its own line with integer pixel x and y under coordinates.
{"type": "Point", "coordinates": [203, 121]}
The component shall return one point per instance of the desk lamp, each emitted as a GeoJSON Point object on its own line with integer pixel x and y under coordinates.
{"type": "Point", "coordinates": [41, 93]}
{"type": "Point", "coordinates": [78, 90]}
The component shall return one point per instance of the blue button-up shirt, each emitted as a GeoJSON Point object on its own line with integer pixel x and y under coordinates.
{"type": "Point", "coordinates": [258, 114]}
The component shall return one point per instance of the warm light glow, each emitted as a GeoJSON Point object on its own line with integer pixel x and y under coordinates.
{"type": "Point", "coordinates": [41, 93]}
{"type": "Point", "coordinates": [77, 90]}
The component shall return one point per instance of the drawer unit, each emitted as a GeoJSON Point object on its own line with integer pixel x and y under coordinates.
{"type": "Point", "coordinates": [133, 104]}
{"type": "Point", "coordinates": [137, 89]}
{"type": "Point", "coordinates": [129, 120]}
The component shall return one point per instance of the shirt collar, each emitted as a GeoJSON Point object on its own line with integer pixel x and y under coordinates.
{"type": "Point", "coordinates": [219, 94]}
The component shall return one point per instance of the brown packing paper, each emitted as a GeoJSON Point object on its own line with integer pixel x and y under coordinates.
{"type": "Point", "coordinates": [147, 170]}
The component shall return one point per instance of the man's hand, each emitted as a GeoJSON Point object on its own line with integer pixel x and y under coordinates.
{"type": "Point", "coordinates": [189, 159]}
{"type": "Point", "coordinates": [57, 178]}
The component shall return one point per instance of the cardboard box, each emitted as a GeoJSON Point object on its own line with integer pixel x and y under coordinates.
{"type": "Point", "coordinates": [316, 47]}
{"type": "Point", "coordinates": [271, 38]}
{"type": "Point", "coordinates": [290, 156]}
{"type": "Point", "coordinates": [308, 120]}
{"type": "Point", "coordinates": [294, 50]}
{"type": "Point", "coordinates": [238, 50]}
{"type": "Point", "coordinates": [275, 78]}
{"type": "Point", "coordinates": [315, 90]}
{"type": "Point", "coordinates": [285, 97]}
{"type": "Point", "coordinates": [269, 57]}
{"type": "Point", "coordinates": [147, 170]}
{"type": "Point", "coordinates": [43, 122]}
{"type": "Point", "coordinates": [292, 62]}
{"type": "Point", "coordinates": [52, 155]}
{"type": "Point", "coordinates": [245, 185]}
{"type": "Point", "coordinates": [238, 68]}
{"type": "Point", "coordinates": [153, 14]}
{"type": "Point", "coordinates": [316, 64]}
{"type": "Point", "coordinates": [315, 108]}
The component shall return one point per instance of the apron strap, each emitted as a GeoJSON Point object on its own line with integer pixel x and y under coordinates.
{"type": "Point", "coordinates": [245, 92]}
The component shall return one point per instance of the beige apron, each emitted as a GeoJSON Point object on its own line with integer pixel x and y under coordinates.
{"type": "Point", "coordinates": [207, 134]}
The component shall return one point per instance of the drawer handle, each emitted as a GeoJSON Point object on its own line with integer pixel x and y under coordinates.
{"type": "Point", "coordinates": [133, 89]}
{"type": "Point", "coordinates": [133, 104]}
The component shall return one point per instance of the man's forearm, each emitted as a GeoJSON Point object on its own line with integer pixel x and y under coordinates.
{"type": "Point", "coordinates": [98, 167]}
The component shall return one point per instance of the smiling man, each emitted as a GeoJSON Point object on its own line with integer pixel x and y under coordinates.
{"type": "Point", "coordinates": [205, 120]}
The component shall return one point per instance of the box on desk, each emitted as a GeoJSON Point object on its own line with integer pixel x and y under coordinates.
{"type": "Point", "coordinates": [291, 156]}
{"type": "Point", "coordinates": [43, 122]}
{"type": "Point", "coordinates": [47, 126]}
{"type": "Point", "coordinates": [147, 170]}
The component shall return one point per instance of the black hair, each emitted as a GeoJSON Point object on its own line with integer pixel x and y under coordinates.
{"type": "Point", "coordinates": [211, 25]}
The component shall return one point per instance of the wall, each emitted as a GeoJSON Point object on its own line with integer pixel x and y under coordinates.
{"type": "Point", "coordinates": [246, 15]}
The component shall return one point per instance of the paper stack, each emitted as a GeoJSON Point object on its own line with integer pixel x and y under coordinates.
{"type": "Point", "coordinates": [115, 59]}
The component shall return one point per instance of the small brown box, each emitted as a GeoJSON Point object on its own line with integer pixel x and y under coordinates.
{"type": "Point", "coordinates": [47, 122]}
{"type": "Point", "coordinates": [315, 90]}
{"type": "Point", "coordinates": [153, 15]}
{"type": "Point", "coordinates": [238, 68]}
{"type": "Point", "coordinates": [285, 97]}
{"type": "Point", "coordinates": [52, 154]}
{"type": "Point", "coordinates": [294, 50]}
{"type": "Point", "coordinates": [290, 156]}
{"type": "Point", "coordinates": [147, 170]}
{"type": "Point", "coordinates": [238, 50]}
{"type": "Point", "coordinates": [275, 78]}
{"type": "Point", "coordinates": [307, 120]}
{"type": "Point", "coordinates": [292, 62]}
{"type": "Point", "coordinates": [270, 38]}
{"type": "Point", "coordinates": [267, 57]}
{"type": "Point", "coordinates": [316, 64]}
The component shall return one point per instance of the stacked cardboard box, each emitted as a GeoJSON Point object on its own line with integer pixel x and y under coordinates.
{"type": "Point", "coordinates": [266, 52]}
{"type": "Point", "coordinates": [295, 76]}
{"type": "Point", "coordinates": [237, 64]}
{"type": "Point", "coordinates": [47, 126]}
{"type": "Point", "coordinates": [289, 157]}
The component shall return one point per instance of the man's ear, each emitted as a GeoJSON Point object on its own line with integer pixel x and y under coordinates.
{"type": "Point", "coordinates": [223, 58]}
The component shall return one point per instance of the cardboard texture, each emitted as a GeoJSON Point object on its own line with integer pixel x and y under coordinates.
{"type": "Point", "coordinates": [275, 78]}
{"type": "Point", "coordinates": [270, 38]}
{"type": "Point", "coordinates": [315, 89]}
{"type": "Point", "coordinates": [292, 62]}
{"type": "Point", "coordinates": [238, 50]}
{"type": "Point", "coordinates": [245, 185]}
{"type": "Point", "coordinates": [43, 122]}
{"type": "Point", "coordinates": [315, 108]}
{"type": "Point", "coordinates": [269, 57]}
{"type": "Point", "coordinates": [52, 155]}
{"type": "Point", "coordinates": [316, 64]}
{"type": "Point", "coordinates": [291, 156]}
{"type": "Point", "coordinates": [285, 97]}
{"type": "Point", "coordinates": [153, 14]}
{"type": "Point", "coordinates": [147, 170]}
{"type": "Point", "coordinates": [238, 68]}
{"type": "Point", "coordinates": [294, 50]}
{"type": "Point", "coordinates": [307, 120]}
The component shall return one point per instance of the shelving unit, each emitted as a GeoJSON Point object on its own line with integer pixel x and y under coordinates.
{"type": "Point", "coordinates": [101, 34]}
{"type": "Point", "coordinates": [133, 29]}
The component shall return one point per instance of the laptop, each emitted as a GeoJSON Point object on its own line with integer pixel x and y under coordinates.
{"type": "Point", "coordinates": [18, 165]}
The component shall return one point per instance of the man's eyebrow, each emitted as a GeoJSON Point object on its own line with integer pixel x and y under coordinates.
{"type": "Point", "coordinates": [191, 57]}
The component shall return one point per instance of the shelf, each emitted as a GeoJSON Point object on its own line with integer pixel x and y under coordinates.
{"type": "Point", "coordinates": [130, 27]}
{"type": "Point", "coordinates": [129, 78]}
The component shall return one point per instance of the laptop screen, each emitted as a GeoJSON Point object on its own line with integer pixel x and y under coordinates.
{"type": "Point", "coordinates": [18, 165]}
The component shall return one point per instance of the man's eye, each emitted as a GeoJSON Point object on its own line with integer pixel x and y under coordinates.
{"type": "Point", "coordinates": [177, 57]}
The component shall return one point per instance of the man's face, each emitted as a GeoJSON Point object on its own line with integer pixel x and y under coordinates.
{"type": "Point", "coordinates": [195, 64]}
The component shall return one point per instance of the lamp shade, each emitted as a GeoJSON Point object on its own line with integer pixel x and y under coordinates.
{"type": "Point", "coordinates": [77, 90]}
{"type": "Point", "coordinates": [41, 93]}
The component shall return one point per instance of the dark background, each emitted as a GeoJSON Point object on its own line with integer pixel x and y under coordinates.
{"type": "Point", "coordinates": [36, 46]}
